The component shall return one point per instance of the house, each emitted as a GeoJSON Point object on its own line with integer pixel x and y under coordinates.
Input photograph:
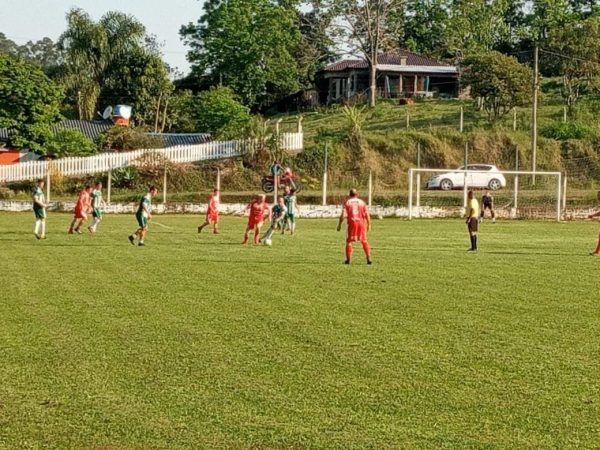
{"type": "Point", "coordinates": [400, 73]}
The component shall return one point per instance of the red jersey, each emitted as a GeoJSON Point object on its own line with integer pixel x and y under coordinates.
{"type": "Point", "coordinates": [355, 210]}
{"type": "Point", "coordinates": [213, 204]}
{"type": "Point", "coordinates": [258, 212]}
{"type": "Point", "coordinates": [84, 201]}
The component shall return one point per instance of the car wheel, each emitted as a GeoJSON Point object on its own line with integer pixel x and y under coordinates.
{"type": "Point", "coordinates": [446, 185]}
{"type": "Point", "coordinates": [494, 184]}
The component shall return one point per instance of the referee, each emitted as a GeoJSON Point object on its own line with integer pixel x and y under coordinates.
{"type": "Point", "coordinates": [487, 202]}
{"type": "Point", "coordinates": [472, 221]}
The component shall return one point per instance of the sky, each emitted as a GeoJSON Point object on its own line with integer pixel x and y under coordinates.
{"type": "Point", "coordinates": [30, 20]}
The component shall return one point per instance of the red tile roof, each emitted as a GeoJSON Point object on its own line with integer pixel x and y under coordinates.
{"type": "Point", "coordinates": [390, 58]}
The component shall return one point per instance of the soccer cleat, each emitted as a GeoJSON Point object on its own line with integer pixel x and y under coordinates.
{"type": "Point", "coordinates": [369, 262]}
{"type": "Point", "coordinates": [37, 236]}
{"type": "Point", "coordinates": [216, 232]}
{"type": "Point", "coordinates": [141, 244]}
{"type": "Point", "coordinates": [594, 254]}
{"type": "Point", "coordinates": [78, 231]}
{"type": "Point", "coordinates": [70, 231]}
{"type": "Point", "coordinates": [347, 261]}
{"type": "Point", "coordinates": [471, 250]}
{"type": "Point", "coordinates": [199, 229]}
{"type": "Point", "coordinates": [132, 240]}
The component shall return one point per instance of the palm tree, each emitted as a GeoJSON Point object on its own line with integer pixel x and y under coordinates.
{"type": "Point", "coordinates": [90, 50]}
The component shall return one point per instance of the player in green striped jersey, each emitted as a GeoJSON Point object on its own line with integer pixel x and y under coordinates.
{"type": "Point", "coordinates": [143, 215]}
{"type": "Point", "coordinates": [39, 209]}
{"type": "Point", "coordinates": [291, 205]}
{"type": "Point", "coordinates": [97, 204]}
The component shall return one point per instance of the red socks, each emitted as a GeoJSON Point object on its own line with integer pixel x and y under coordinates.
{"type": "Point", "coordinates": [348, 251]}
{"type": "Point", "coordinates": [367, 249]}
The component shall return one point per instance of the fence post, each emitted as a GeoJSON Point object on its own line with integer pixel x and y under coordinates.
{"type": "Point", "coordinates": [407, 118]}
{"type": "Point", "coordinates": [219, 180]}
{"type": "Point", "coordinates": [108, 185]}
{"type": "Point", "coordinates": [410, 194]}
{"type": "Point", "coordinates": [516, 187]}
{"type": "Point", "coordinates": [558, 197]}
{"type": "Point", "coordinates": [515, 118]}
{"type": "Point", "coordinates": [564, 114]}
{"type": "Point", "coordinates": [300, 119]}
{"type": "Point", "coordinates": [418, 175]}
{"type": "Point", "coordinates": [165, 186]}
{"type": "Point", "coordinates": [462, 119]}
{"type": "Point", "coordinates": [564, 193]}
{"type": "Point", "coordinates": [48, 182]}
{"type": "Point", "coordinates": [370, 188]}
{"type": "Point", "coordinates": [325, 177]}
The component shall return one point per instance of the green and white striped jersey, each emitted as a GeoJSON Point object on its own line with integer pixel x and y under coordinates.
{"type": "Point", "coordinates": [96, 199]}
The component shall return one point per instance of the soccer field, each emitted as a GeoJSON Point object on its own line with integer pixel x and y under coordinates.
{"type": "Point", "coordinates": [196, 341]}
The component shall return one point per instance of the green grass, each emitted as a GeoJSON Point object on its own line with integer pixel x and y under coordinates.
{"type": "Point", "coordinates": [195, 341]}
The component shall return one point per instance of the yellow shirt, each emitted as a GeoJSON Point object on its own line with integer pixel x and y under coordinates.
{"type": "Point", "coordinates": [472, 208]}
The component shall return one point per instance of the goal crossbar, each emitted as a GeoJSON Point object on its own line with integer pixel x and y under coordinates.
{"type": "Point", "coordinates": [559, 185]}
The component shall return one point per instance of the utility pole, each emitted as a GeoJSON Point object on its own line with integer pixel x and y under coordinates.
{"type": "Point", "coordinates": [536, 55]}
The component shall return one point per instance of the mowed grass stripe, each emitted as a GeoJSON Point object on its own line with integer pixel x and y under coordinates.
{"type": "Point", "coordinates": [196, 341]}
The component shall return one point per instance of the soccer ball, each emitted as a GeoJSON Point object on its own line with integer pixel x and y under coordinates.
{"type": "Point", "coordinates": [268, 242]}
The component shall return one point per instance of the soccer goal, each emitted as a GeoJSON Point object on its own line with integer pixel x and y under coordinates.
{"type": "Point", "coordinates": [516, 194]}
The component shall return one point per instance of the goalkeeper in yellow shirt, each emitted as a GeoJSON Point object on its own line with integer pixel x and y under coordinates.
{"type": "Point", "coordinates": [472, 214]}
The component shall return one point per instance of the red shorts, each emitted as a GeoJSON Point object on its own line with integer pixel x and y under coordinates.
{"type": "Point", "coordinates": [212, 217]}
{"type": "Point", "coordinates": [253, 223]}
{"type": "Point", "coordinates": [80, 213]}
{"type": "Point", "coordinates": [357, 232]}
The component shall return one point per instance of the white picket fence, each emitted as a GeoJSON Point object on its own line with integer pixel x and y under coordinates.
{"type": "Point", "coordinates": [108, 161]}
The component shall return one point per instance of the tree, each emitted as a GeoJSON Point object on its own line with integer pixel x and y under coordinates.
{"type": "Point", "coordinates": [217, 111]}
{"type": "Point", "coordinates": [371, 27]}
{"type": "Point", "coordinates": [43, 53]}
{"type": "Point", "coordinates": [577, 52]}
{"type": "Point", "coordinates": [69, 143]}
{"type": "Point", "coordinates": [316, 42]}
{"type": "Point", "coordinates": [29, 102]}
{"type": "Point", "coordinates": [247, 45]}
{"type": "Point", "coordinates": [91, 49]}
{"type": "Point", "coordinates": [499, 80]}
{"type": "Point", "coordinates": [425, 26]}
{"type": "Point", "coordinates": [140, 79]}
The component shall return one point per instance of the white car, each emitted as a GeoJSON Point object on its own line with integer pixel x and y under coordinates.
{"type": "Point", "coordinates": [489, 178]}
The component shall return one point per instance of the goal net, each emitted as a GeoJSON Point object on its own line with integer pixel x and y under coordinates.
{"type": "Point", "coordinates": [516, 194]}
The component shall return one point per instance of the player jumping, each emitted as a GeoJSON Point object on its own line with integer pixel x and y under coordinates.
{"type": "Point", "coordinates": [359, 222]}
{"type": "Point", "coordinates": [143, 215]}
{"type": "Point", "coordinates": [81, 209]}
{"type": "Point", "coordinates": [212, 212]}
{"type": "Point", "coordinates": [259, 209]}
{"type": "Point", "coordinates": [291, 204]}
{"type": "Point", "coordinates": [592, 216]}
{"type": "Point", "coordinates": [472, 214]}
{"type": "Point", "coordinates": [97, 204]}
{"type": "Point", "coordinates": [487, 202]}
{"type": "Point", "coordinates": [39, 209]}
{"type": "Point", "coordinates": [278, 213]}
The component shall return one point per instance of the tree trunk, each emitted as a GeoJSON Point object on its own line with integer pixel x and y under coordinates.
{"type": "Point", "coordinates": [372, 84]}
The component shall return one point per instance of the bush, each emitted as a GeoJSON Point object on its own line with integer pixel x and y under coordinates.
{"type": "Point", "coordinates": [218, 111]}
{"type": "Point", "coordinates": [128, 138]}
{"type": "Point", "coordinates": [562, 131]}
{"type": "Point", "coordinates": [69, 143]}
{"type": "Point", "coordinates": [6, 193]}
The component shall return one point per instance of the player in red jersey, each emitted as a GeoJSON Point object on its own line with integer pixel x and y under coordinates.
{"type": "Point", "coordinates": [259, 209]}
{"type": "Point", "coordinates": [82, 207]}
{"type": "Point", "coordinates": [359, 222]}
{"type": "Point", "coordinates": [592, 216]}
{"type": "Point", "coordinates": [212, 212]}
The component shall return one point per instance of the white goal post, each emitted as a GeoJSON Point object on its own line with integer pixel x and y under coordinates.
{"type": "Point", "coordinates": [414, 180]}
